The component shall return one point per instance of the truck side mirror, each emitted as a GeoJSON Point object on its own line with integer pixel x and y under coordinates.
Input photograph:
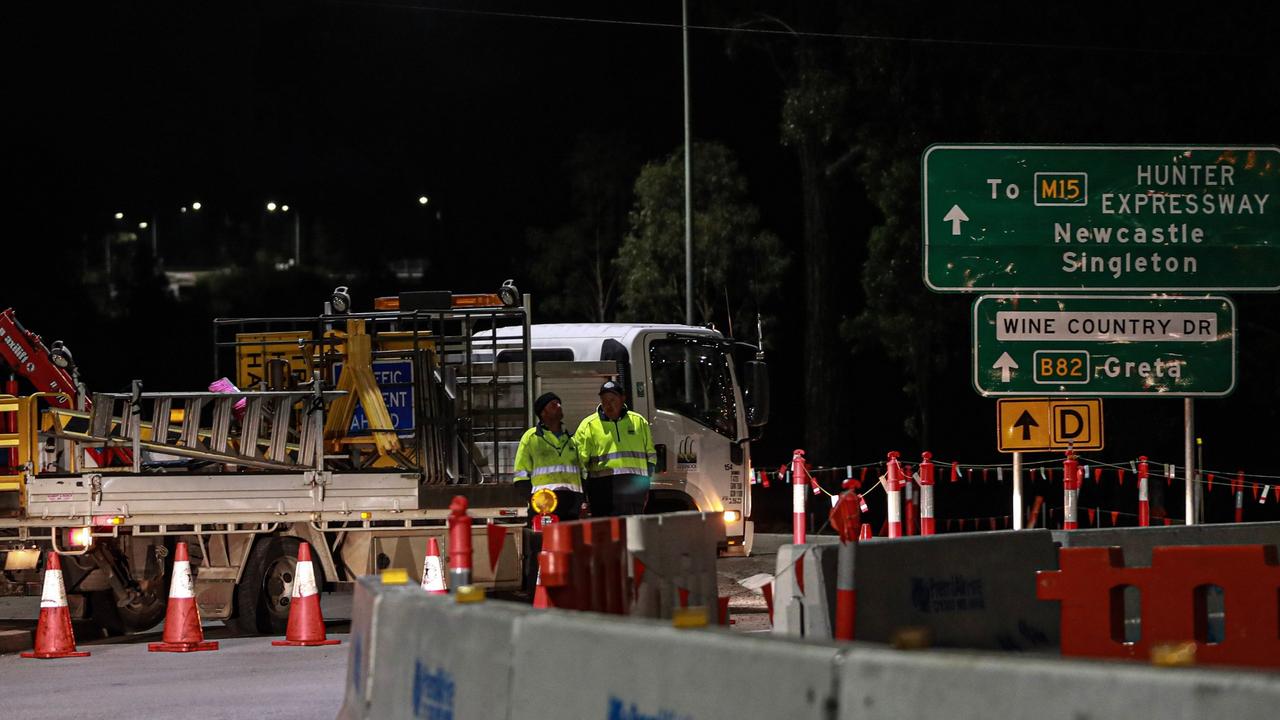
{"type": "Point", "coordinates": [756, 392]}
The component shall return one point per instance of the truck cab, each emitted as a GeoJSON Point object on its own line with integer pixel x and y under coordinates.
{"type": "Point", "coordinates": [685, 382]}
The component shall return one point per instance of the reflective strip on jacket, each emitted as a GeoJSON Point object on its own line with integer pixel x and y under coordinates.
{"type": "Point", "coordinates": [616, 447]}
{"type": "Point", "coordinates": [548, 461]}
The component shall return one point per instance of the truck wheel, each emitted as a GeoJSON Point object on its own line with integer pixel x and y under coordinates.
{"type": "Point", "coordinates": [262, 597]}
{"type": "Point", "coordinates": [116, 620]}
{"type": "Point", "coordinates": [129, 619]}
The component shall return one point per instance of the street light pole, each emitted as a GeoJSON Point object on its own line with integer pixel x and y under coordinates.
{"type": "Point", "coordinates": [688, 176]}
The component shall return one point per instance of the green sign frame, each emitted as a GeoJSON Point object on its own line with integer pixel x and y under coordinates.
{"type": "Point", "coordinates": [1053, 218]}
{"type": "Point", "coordinates": [1104, 346]}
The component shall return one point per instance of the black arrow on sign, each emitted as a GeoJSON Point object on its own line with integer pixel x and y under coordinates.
{"type": "Point", "coordinates": [1026, 422]}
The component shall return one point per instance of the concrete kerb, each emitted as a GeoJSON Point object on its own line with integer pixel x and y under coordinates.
{"type": "Point", "coordinates": [974, 590]}
{"type": "Point", "coordinates": [879, 683]}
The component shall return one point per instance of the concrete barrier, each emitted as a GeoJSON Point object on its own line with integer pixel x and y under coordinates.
{"type": "Point", "coordinates": [974, 590]}
{"type": "Point", "coordinates": [672, 554]}
{"type": "Point", "coordinates": [879, 683]}
{"type": "Point", "coordinates": [416, 655]}
{"type": "Point", "coordinates": [1138, 542]}
{"type": "Point", "coordinates": [591, 666]}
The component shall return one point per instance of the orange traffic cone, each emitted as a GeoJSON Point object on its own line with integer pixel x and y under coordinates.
{"type": "Point", "coordinates": [306, 624]}
{"type": "Point", "coordinates": [182, 631]}
{"type": "Point", "coordinates": [865, 532]}
{"type": "Point", "coordinates": [433, 571]}
{"type": "Point", "coordinates": [540, 598]}
{"type": "Point", "coordinates": [54, 638]}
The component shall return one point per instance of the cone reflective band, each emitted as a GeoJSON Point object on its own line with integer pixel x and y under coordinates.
{"type": "Point", "coordinates": [306, 623]}
{"type": "Point", "coordinates": [182, 631]}
{"type": "Point", "coordinates": [54, 636]}
{"type": "Point", "coordinates": [432, 570]}
{"type": "Point", "coordinates": [798, 520]}
{"type": "Point", "coordinates": [893, 491]}
{"type": "Point", "coordinates": [1144, 504]}
{"type": "Point", "coordinates": [926, 493]}
{"type": "Point", "coordinates": [846, 595]}
{"type": "Point", "coordinates": [1070, 491]}
{"type": "Point", "coordinates": [459, 543]}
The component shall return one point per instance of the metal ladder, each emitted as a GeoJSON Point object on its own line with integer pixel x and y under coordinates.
{"type": "Point", "coordinates": [274, 430]}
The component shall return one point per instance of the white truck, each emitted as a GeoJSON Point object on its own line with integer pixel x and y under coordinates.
{"type": "Point", "coordinates": [704, 408]}
{"type": "Point", "coordinates": [352, 432]}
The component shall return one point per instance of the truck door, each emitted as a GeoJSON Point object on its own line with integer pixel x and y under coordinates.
{"type": "Point", "coordinates": [695, 415]}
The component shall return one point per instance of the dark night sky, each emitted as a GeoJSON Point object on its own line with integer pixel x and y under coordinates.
{"type": "Point", "coordinates": [350, 110]}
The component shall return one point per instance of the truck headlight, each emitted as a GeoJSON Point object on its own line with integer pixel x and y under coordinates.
{"type": "Point", "coordinates": [731, 516]}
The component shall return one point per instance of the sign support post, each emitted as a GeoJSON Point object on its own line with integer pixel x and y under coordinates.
{"type": "Point", "coordinates": [1017, 491]}
{"type": "Point", "coordinates": [1189, 493]}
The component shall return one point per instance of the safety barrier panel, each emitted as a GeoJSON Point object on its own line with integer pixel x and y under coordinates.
{"type": "Point", "coordinates": [1176, 594]}
{"type": "Point", "coordinates": [1137, 543]}
{"type": "Point", "coordinates": [415, 655]}
{"type": "Point", "coordinates": [974, 590]}
{"type": "Point", "coordinates": [418, 655]}
{"type": "Point", "coordinates": [647, 565]}
{"type": "Point", "coordinates": [583, 565]}
{"type": "Point", "coordinates": [673, 561]}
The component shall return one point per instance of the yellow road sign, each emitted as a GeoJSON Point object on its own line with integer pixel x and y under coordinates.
{"type": "Point", "coordinates": [1040, 424]}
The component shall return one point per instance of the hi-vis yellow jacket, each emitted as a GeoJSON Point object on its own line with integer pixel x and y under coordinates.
{"type": "Point", "coordinates": [548, 461]}
{"type": "Point", "coordinates": [616, 447]}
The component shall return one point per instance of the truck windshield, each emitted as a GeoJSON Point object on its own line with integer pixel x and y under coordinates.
{"type": "Point", "coordinates": [692, 378]}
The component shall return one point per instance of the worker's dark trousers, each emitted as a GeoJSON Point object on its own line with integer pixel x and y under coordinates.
{"type": "Point", "coordinates": [618, 495]}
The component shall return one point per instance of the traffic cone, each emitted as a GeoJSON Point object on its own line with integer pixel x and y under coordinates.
{"type": "Point", "coordinates": [182, 631]}
{"type": "Point", "coordinates": [540, 598]}
{"type": "Point", "coordinates": [54, 638]}
{"type": "Point", "coordinates": [433, 571]}
{"type": "Point", "coordinates": [306, 624]}
{"type": "Point", "coordinates": [865, 532]}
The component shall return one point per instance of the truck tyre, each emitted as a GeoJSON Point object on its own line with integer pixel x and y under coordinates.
{"type": "Point", "coordinates": [262, 597]}
{"type": "Point", "coordinates": [117, 620]}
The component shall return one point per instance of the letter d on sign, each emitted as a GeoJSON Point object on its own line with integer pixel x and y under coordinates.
{"type": "Point", "coordinates": [1070, 424]}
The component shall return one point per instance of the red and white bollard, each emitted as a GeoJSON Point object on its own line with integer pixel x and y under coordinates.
{"type": "Point", "coordinates": [1144, 498]}
{"type": "Point", "coordinates": [893, 491]}
{"type": "Point", "coordinates": [459, 544]}
{"type": "Point", "coordinates": [926, 493]}
{"type": "Point", "coordinates": [1070, 491]}
{"type": "Point", "coordinates": [799, 481]}
{"type": "Point", "coordinates": [846, 594]}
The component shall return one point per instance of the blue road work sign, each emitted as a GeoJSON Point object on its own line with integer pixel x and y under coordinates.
{"type": "Point", "coordinates": [395, 379]}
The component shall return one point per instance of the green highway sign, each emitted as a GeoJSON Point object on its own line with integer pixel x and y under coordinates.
{"type": "Point", "coordinates": [1123, 218]}
{"type": "Point", "coordinates": [1099, 345]}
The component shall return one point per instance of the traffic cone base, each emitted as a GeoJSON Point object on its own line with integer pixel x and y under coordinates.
{"type": "Point", "coordinates": [182, 631]}
{"type": "Point", "coordinates": [306, 624]}
{"type": "Point", "coordinates": [182, 647]}
{"type": "Point", "coordinates": [54, 636]}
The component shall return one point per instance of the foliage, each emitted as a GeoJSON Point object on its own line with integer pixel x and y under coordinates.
{"type": "Point", "coordinates": [573, 276]}
{"type": "Point", "coordinates": [737, 265]}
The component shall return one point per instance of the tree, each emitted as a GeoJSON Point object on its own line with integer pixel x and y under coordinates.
{"type": "Point", "coordinates": [572, 263]}
{"type": "Point", "coordinates": [738, 266]}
